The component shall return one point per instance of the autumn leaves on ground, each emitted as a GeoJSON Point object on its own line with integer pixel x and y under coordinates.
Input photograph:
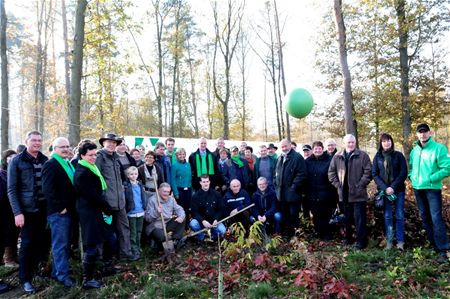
{"type": "Point", "coordinates": [253, 265]}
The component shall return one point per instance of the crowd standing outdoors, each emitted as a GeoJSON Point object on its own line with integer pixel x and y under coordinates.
{"type": "Point", "coordinates": [122, 199]}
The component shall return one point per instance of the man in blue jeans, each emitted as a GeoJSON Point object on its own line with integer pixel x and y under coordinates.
{"type": "Point", "coordinates": [59, 192]}
{"type": "Point", "coordinates": [429, 164]}
{"type": "Point", "coordinates": [207, 209]}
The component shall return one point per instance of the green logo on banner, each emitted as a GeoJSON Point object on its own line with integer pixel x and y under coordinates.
{"type": "Point", "coordinates": [138, 141]}
{"type": "Point", "coordinates": [154, 141]}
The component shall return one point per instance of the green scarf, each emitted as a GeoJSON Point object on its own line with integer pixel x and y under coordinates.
{"type": "Point", "coordinates": [389, 175]}
{"type": "Point", "coordinates": [201, 167]}
{"type": "Point", "coordinates": [95, 170]}
{"type": "Point", "coordinates": [238, 161]}
{"type": "Point", "coordinates": [66, 165]}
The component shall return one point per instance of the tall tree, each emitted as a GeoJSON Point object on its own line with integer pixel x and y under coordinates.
{"type": "Point", "coordinates": [227, 33]}
{"type": "Point", "coordinates": [5, 88]}
{"type": "Point", "coordinates": [77, 73]}
{"type": "Point", "coordinates": [66, 55]}
{"type": "Point", "coordinates": [350, 123]}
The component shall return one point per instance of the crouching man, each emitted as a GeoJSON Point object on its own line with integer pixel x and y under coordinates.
{"type": "Point", "coordinates": [173, 214]}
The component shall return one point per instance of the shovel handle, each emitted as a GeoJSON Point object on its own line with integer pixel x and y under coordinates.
{"type": "Point", "coordinates": [218, 222]}
{"type": "Point", "coordinates": [159, 204]}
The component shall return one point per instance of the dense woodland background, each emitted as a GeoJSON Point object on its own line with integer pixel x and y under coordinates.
{"type": "Point", "coordinates": [383, 66]}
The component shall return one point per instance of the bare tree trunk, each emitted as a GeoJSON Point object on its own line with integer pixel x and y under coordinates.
{"type": "Point", "coordinates": [193, 93]}
{"type": "Point", "coordinates": [265, 108]}
{"type": "Point", "coordinates": [226, 40]}
{"type": "Point", "coordinates": [5, 87]}
{"type": "Point", "coordinates": [280, 61]}
{"type": "Point", "coordinates": [77, 73]}
{"type": "Point", "coordinates": [350, 125]}
{"type": "Point", "coordinates": [66, 55]}
{"type": "Point", "coordinates": [404, 74]}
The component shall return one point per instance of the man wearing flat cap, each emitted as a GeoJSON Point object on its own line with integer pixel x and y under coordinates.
{"type": "Point", "coordinates": [109, 165]}
{"type": "Point", "coordinates": [429, 164]}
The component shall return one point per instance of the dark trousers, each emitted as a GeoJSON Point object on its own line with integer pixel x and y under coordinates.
{"type": "Point", "coordinates": [290, 212]}
{"type": "Point", "coordinates": [176, 228]}
{"type": "Point", "coordinates": [322, 211]}
{"type": "Point", "coordinates": [355, 213]}
{"type": "Point", "coordinates": [34, 246]}
{"type": "Point", "coordinates": [122, 230]}
{"type": "Point", "coordinates": [184, 200]}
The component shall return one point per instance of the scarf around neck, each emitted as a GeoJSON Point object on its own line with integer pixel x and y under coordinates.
{"type": "Point", "coordinates": [95, 170]}
{"type": "Point", "coordinates": [237, 160]}
{"type": "Point", "coordinates": [388, 172]}
{"type": "Point", "coordinates": [66, 165]}
{"type": "Point", "coordinates": [202, 167]}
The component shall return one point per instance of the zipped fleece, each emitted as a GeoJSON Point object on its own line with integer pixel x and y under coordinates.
{"type": "Point", "coordinates": [429, 165]}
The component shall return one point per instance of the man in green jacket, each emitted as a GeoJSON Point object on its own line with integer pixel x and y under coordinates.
{"type": "Point", "coordinates": [429, 164]}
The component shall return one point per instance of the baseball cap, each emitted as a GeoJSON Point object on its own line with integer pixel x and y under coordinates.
{"type": "Point", "coordinates": [422, 127]}
{"type": "Point", "coordinates": [307, 147]}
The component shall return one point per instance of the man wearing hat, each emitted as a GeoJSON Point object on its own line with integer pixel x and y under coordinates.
{"type": "Point", "coordinates": [272, 148]}
{"type": "Point", "coordinates": [307, 151]}
{"type": "Point", "coordinates": [429, 164]}
{"type": "Point", "coordinates": [109, 165]}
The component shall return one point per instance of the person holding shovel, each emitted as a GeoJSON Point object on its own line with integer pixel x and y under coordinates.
{"type": "Point", "coordinates": [162, 205]}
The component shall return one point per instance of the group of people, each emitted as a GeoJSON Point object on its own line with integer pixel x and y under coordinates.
{"type": "Point", "coordinates": [121, 198]}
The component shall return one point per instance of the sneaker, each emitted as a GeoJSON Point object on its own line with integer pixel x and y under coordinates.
{"type": "Point", "coordinates": [4, 287]}
{"type": "Point", "coordinates": [400, 246]}
{"type": "Point", "coordinates": [28, 288]}
{"type": "Point", "coordinates": [92, 284]}
{"type": "Point", "coordinates": [389, 246]}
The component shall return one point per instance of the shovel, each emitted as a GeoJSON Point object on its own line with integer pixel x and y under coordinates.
{"type": "Point", "coordinates": [206, 229]}
{"type": "Point", "coordinates": [168, 244]}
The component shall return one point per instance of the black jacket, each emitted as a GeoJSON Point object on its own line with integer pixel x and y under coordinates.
{"type": "Point", "coordinates": [265, 203]}
{"type": "Point", "coordinates": [207, 205]}
{"type": "Point", "coordinates": [90, 205]}
{"type": "Point", "coordinates": [318, 187]}
{"type": "Point", "coordinates": [236, 201]}
{"type": "Point", "coordinates": [58, 190]}
{"type": "Point", "coordinates": [21, 186]}
{"type": "Point", "coordinates": [399, 169]}
{"type": "Point", "coordinates": [290, 177]}
{"type": "Point", "coordinates": [122, 169]}
{"type": "Point", "coordinates": [215, 178]}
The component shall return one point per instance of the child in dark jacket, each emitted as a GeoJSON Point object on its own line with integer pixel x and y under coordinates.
{"type": "Point", "coordinates": [135, 207]}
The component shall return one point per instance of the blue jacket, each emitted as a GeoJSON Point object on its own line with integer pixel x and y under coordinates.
{"type": "Point", "coordinates": [265, 203]}
{"type": "Point", "coordinates": [129, 200]}
{"type": "Point", "coordinates": [236, 201]}
{"type": "Point", "coordinates": [164, 164]}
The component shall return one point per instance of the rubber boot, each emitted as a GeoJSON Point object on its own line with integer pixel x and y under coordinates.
{"type": "Point", "coordinates": [88, 275]}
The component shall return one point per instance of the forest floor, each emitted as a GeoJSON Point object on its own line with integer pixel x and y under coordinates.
{"type": "Point", "coordinates": [257, 267]}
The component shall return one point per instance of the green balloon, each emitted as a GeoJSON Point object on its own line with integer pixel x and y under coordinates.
{"type": "Point", "coordinates": [299, 103]}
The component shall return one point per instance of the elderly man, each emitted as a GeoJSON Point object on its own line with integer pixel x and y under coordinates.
{"type": "Point", "coordinates": [125, 158]}
{"type": "Point", "coordinates": [59, 191]}
{"type": "Point", "coordinates": [235, 200]}
{"type": "Point", "coordinates": [174, 216]}
{"type": "Point", "coordinates": [330, 144]}
{"type": "Point", "coordinates": [220, 145]}
{"type": "Point", "coordinates": [207, 209]}
{"type": "Point", "coordinates": [109, 166]}
{"type": "Point", "coordinates": [29, 208]}
{"type": "Point", "coordinates": [289, 178]}
{"type": "Point", "coordinates": [272, 151]}
{"type": "Point", "coordinates": [202, 163]}
{"type": "Point", "coordinates": [350, 173]}
{"type": "Point", "coordinates": [429, 165]}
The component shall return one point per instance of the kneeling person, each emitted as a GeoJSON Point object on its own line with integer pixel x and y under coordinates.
{"type": "Point", "coordinates": [207, 208]}
{"type": "Point", "coordinates": [235, 200]}
{"type": "Point", "coordinates": [174, 215]}
{"type": "Point", "coordinates": [265, 209]}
